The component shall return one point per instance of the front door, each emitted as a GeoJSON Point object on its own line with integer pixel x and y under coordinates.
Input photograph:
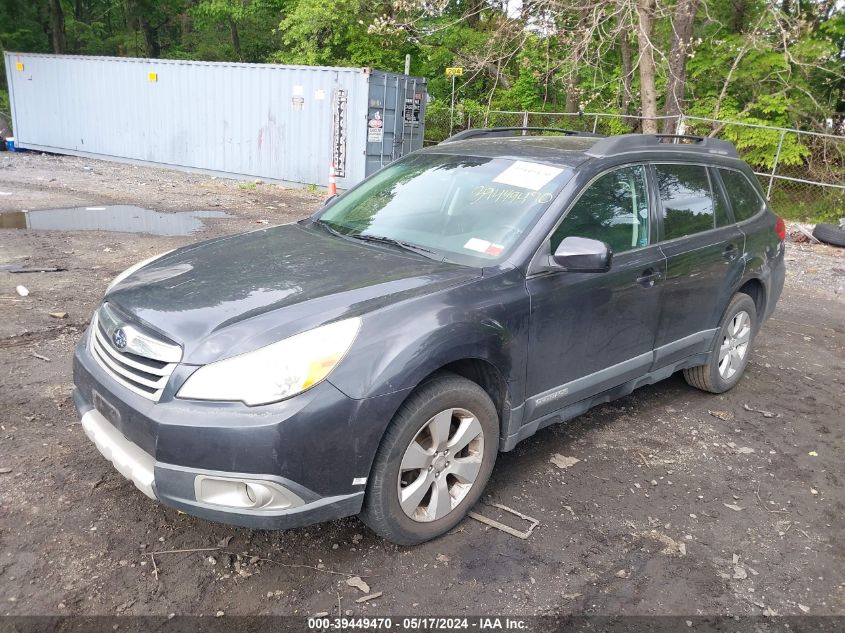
{"type": "Point", "coordinates": [592, 331]}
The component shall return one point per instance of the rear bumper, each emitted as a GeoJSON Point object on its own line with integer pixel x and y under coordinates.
{"type": "Point", "coordinates": [776, 282]}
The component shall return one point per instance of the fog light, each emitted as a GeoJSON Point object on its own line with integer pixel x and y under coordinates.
{"type": "Point", "coordinates": [245, 494]}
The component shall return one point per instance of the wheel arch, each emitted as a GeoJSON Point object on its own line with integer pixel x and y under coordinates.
{"type": "Point", "coordinates": [755, 288]}
{"type": "Point", "coordinates": [481, 371]}
{"type": "Point", "coordinates": [487, 376]}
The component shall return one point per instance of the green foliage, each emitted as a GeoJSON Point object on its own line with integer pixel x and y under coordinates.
{"type": "Point", "coordinates": [737, 65]}
{"type": "Point", "coordinates": [215, 22]}
{"type": "Point", "coordinates": [807, 203]}
{"type": "Point", "coordinates": [524, 94]}
{"type": "Point", "coordinates": [759, 146]}
{"type": "Point", "coordinates": [335, 34]}
{"type": "Point", "coordinates": [5, 118]}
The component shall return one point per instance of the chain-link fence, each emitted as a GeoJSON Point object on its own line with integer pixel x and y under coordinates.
{"type": "Point", "coordinates": [802, 173]}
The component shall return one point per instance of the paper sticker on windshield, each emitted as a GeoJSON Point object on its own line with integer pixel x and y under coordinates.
{"type": "Point", "coordinates": [475, 244]}
{"type": "Point", "coordinates": [526, 175]}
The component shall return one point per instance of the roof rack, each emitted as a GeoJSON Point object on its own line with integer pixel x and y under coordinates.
{"type": "Point", "coordinates": [509, 131]}
{"type": "Point", "coordinates": [624, 143]}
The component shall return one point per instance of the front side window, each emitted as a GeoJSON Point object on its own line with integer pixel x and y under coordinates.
{"type": "Point", "coordinates": [744, 198]}
{"type": "Point", "coordinates": [463, 208]}
{"type": "Point", "coordinates": [686, 198]}
{"type": "Point", "coordinates": [613, 209]}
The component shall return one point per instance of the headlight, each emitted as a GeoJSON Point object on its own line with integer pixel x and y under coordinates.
{"type": "Point", "coordinates": [277, 371]}
{"type": "Point", "coordinates": [137, 266]}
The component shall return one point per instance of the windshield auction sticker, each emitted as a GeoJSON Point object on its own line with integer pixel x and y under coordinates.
{"type": "Point", "coordinates": [527, 175]}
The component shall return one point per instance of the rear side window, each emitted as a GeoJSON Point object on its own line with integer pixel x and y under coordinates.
{"type": "Point", "coordinates": [614, 209]}
{"type": "Point", "coordinates": [686, 198]}
{"type": "Point", "coordinates": [744, 198]}
{"type": "Point", "coordinates": [723, 217]}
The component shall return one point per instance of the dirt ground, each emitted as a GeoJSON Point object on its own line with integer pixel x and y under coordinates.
{"type": "Point", "coordinates": [681, 503]}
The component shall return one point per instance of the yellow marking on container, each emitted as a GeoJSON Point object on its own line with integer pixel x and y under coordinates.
{"type": "Point", "coordinates": [153, 76]}
{"type": "Point", "coordinates": [19, 66]}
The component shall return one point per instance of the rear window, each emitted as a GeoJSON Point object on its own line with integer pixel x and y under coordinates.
{"type": "Point", "coordinates": [723, 216]}
{"type": "Point", "coordinates": [686, 198]}
{"type": "Point", "coordinates": [744, 197]}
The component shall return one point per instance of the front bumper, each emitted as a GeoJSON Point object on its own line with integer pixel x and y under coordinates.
{"type": "Point", "coordinates": [312, 451]}
{"type": "Point", "coordinates": [176, 486]}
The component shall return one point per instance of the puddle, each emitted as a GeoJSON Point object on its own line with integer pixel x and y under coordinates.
{"type": "Point", "coordinates": [121, 218]}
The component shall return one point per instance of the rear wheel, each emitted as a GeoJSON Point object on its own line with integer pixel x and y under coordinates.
{"type": "Point", "coordinates": [433, 462]}
{"type": "Point", "coordinates": [729, 356]}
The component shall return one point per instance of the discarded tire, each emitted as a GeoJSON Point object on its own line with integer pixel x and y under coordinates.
{"type": "Point", "coordinates": [829, 233]}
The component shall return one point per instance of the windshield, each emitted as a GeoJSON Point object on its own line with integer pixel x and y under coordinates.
{"type": "Point", "coordinates": [460, 207]}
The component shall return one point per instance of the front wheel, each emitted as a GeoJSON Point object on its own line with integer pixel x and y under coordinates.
{"type": "Point", "coordinates": [729, 356]}
{"type": "Point", "coordinates": [433, 462]}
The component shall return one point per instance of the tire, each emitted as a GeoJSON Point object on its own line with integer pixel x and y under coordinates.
{"type": "Point", "coordinates": [718, 375]}
{"type": "Point", "coordinates": [829, 233]}
{"type": "Point", "coordinates": [410, 440]}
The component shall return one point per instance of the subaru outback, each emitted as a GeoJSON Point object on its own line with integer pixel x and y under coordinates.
{"type": "Point", "coordinates": [374, 358]}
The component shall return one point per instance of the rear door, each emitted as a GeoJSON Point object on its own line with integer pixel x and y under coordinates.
{"type": "Point", "coordinates": [704, 257]}
{"type": "Point", "coordinates": [592, 331]}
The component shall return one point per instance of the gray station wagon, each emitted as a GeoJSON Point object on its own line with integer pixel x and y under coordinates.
{"type": "Point", "coordinates": [374, 358]}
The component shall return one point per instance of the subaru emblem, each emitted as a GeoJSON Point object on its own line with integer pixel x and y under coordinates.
{"type": "Point", "coordinates": [119, 338]}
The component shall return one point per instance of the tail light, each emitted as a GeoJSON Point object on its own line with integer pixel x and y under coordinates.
{"type": "Point", "coordinates": [780, 229]}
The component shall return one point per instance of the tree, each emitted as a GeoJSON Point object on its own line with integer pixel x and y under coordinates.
{"type": "Point", "coordinates": [648, 74]}
{"type": "Point", "coordinates": [57, 27]}
{"type": "Point", "coordinates": [770, 61]}
{"type": "Point", "coordinates": [230, 13]}
{"type": "Point", "coordinates": [682, 26]}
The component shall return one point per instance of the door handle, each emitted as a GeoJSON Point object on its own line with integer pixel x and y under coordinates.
{"type": "Point", "coordinates": [648, 277]}
{"type": "Point", "coordinates": [731, 252]}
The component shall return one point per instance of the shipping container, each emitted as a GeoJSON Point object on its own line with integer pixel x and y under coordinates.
{"type": "Point", "coordinates": [269, 121]}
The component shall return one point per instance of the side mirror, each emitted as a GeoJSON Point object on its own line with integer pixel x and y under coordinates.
{"type": "Point", "coordinates": [583, 255]}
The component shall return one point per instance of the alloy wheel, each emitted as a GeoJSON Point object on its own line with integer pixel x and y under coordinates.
{"type": "Point", "coordinates": [735, 345]}
{"type": "Point", "coordinates": [440, 465]}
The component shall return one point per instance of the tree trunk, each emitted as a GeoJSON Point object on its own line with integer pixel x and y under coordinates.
{"type": "Point", "coordinates": [627, 73]}
{"type": "Point", "coordinates": [236, 39]}
{"type": "Point", "coordinates": [151, 44]}
{"type": "Point", "coordinates": [473, 14]}
{"type": "Point", "coordinates": [57, 27]}
{"type": "Point", "coordinates": [738, 10]}
{"type": "Point", "coordinates": [572, 93]}
{"type": "Point", "coordinates": [648, 91]}
{"type": "Point", "coordinates": [682, 25]}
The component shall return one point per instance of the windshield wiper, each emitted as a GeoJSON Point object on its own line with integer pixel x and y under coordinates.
{"type": "Point", "coordinates": [328, 227]}
{"type": "Point", "coordinates": [381, 239]}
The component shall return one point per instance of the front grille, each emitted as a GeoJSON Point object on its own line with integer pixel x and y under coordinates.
{"type": "Point", "coordinates": [143, 375]}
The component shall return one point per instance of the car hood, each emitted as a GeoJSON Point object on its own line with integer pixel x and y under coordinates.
{"type": "Point", "coordinates": [234, 294]}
